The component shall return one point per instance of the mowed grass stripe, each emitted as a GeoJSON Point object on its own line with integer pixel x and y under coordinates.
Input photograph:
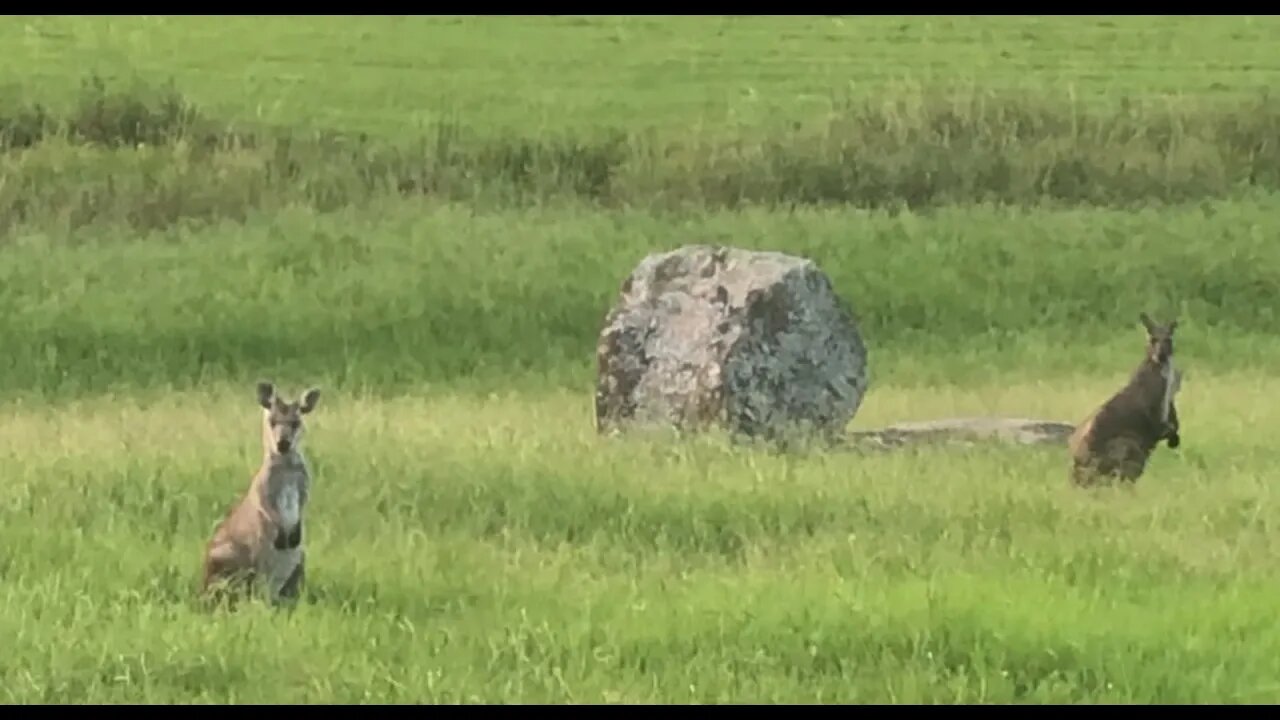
{"type": "Point", "coordinates": [553, 74]}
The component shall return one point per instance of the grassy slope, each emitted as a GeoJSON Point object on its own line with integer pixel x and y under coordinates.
{"type": "Point", "coordinates": [493, 549]}
{"type": "Point", "coordinates": [473, 540]}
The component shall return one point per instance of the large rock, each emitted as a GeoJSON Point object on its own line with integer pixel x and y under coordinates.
{"type": "Point", "coordinates": [757, 343]}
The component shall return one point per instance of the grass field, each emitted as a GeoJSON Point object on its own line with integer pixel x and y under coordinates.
{"type": "Point", "coordinates": [1034, 184]}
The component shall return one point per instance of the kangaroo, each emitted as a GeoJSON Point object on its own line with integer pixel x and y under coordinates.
{"type": "Point", "coordinates": [258, 544]}
{"type": "Point", "coordinates": [1118, 438]}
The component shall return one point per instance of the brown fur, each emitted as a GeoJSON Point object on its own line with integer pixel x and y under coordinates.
{"type": "Point", "coordinates": [1117, 440]}
{"type": "Point", "coordinates": [256, 546]}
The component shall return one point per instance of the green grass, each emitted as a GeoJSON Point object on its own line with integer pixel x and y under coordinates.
{"type": "Point", "coordinates": [401, 295]}
{"type": "Point", "coordinates": [997, 198]}
{"type": "Point", "coordinates": [698, 114]}
{"type": "Point", "coordinates": [492, 548]}
{"type": "Point", "coordinates": [544, 75]}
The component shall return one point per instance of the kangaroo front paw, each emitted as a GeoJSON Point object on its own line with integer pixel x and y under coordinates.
{"type": "Point", "coordinates": [289, 540]}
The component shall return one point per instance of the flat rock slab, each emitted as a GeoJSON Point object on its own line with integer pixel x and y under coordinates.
{"type": "Point", "coordinates": [757, 343]}
{"type": "Point", "coordinates": [1022, 431]}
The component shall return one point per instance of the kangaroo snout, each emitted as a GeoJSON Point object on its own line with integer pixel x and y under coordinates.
{"type": "Point", "coordinates": [283, 446]}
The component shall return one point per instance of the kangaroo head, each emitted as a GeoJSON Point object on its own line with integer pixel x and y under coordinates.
{"type": "Point", "coordinates": [282, 420]}
{"type": "Point", "coordinates": [1159, 339]}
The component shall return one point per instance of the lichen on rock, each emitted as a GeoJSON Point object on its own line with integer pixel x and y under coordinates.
{"type": "Point", "coordinates": [757, 343]}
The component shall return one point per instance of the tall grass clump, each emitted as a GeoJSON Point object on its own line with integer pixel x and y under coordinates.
{"type": "Point", "coordinates": [149, 158]}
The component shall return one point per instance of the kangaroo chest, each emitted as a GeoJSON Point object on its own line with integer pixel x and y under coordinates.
{"type": "Point", "coordinates": [289, 506]}
{"type": "Point", "coordinates": [287, 494]}
{"type": "Point", "coordinates": [1172, 380]}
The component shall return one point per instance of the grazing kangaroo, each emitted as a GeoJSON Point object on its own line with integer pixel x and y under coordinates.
{"type": "Point", "coordinates": [258, 544]}
{"type": "Point", "coordinates": [1118, 438]}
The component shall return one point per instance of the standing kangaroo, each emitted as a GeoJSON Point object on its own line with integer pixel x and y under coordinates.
{"type": "Point", "coordinates": [258, 544]}
{"type": "Point", "coordinates": [1118, 438]}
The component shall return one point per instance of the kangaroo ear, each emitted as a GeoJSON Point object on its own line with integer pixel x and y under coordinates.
{"type": "Point", "coordinates": [266, 392]}
{"type": "Point", "coordinates": [309, 400]}
{"type": "Point", "coordinates": [1146, 321]}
